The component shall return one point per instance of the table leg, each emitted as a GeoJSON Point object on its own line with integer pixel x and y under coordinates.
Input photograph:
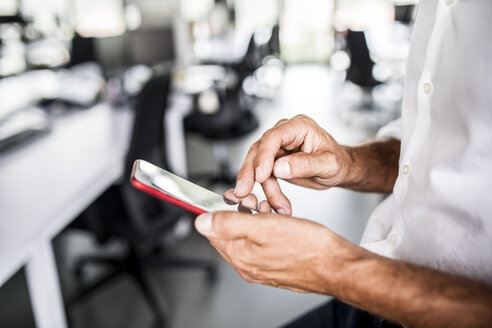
{"type": "Point", "coordinates": [44, 288]}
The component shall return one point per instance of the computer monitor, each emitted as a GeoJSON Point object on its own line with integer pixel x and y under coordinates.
{"type": "Point", "coordinates": [152, 46]}
{"type": "Point", "coordinates": [115, 46]}
{"type": "Point", "coordinates": [143, 46]}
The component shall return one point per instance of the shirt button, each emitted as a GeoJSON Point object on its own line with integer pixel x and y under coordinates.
{"type": "Point", "coordinates": [393, 238]}
{"type": "Point", "coordinates": [449, 2]}
{"type": "Point", "coordinates": [405, 169]}
{"type": "Point", "coordinates": [427, 87]}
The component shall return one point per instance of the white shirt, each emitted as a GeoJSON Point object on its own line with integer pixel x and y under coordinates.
{"type": "Point", "coordinates": [440, 212]}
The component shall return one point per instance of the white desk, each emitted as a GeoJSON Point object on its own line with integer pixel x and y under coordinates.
{"type": "Point", "coordinates": [44, 185]}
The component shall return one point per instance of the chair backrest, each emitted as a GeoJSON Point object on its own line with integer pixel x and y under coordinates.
{"type": "Point", "coordinates": [405, 13]}
{"type": "Point", "coordinates": [147, 140]}
{"type": "Point", "coordinates": [147, 143]}
{"type": "Point", "coordinates": [256, 53]}
{"type": "Point", "coordinates": [82, 50]}
{"type": "Point", "coordinates": [361, 64]}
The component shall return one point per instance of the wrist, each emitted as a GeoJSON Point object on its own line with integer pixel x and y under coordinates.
{"type": "Point", "coordinates": [356, 275]}
{"type": "Point", "coordinates": [342, 265]}
{"type": "Point", "coordinates": [350, 171]}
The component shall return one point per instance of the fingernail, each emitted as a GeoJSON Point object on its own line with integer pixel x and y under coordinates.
{"type": "Point", "coordinates": [203, 224]}
{"type": "Point", "coordinates": [239, 186]}
{"type": "Point", "coordinates": [282, 169]}
{"type": "Point", "coordinates": [281, 211]}
{"type": "Point", "coordinates": [259, 173]}
{"type": "Point", "coordinates": [243, 209]}
{"type": "Point", "coordinates": [229, 201]}
{"type": "Point", "coordinates": [248, 202]}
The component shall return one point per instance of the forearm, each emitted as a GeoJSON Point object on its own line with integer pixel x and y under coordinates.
{"type": "Point", "coordinates": [413, 295]}
{"type": "Point", "coordinates": [372, 166]}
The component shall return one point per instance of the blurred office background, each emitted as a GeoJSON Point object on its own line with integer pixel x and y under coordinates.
{"type": "Point", "coordinates": [87, 86]}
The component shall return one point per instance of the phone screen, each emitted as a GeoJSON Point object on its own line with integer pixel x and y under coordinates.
{"type": "Point", "coordinates": [178, 191]}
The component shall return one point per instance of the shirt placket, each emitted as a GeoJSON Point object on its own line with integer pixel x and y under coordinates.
{"type": "Point", "coordinates": [425, 90]}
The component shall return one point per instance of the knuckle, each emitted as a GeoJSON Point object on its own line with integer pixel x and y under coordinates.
{"type": "Point", "coordinates": [275, 199]}
{"type": "Point", "coordinates": [246, 171]}
{"type": "Point", "coordinates": [241, 263]}
{"type": "Point", "coordinates": [246, 277]}
{"type": "Point", "coordinates": [264, 207]}
{"type": "Point", "coordinates": [254, 146]}
{"type": "Point", "coordinates": [249, 201]}
{"type": "Point", "coordinates": [268, 133]}
{"type": "Point", "coordinates": [304, 119]}
{"type": "Point", "coordinates": [251, 153]}
{"type": "Point", "coordinates": [333, 163]}
{"type": "Point", "coordinates": [280, 122]}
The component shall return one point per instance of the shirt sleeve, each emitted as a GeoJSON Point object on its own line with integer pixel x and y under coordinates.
{"type": "Point", "coordinates": [392, 129]}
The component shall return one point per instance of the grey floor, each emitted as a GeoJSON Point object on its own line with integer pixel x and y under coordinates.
{"type": "Point", "coordinates": [312, 90]}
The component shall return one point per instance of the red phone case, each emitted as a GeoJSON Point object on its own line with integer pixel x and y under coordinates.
{"type": "Point", "coordinates": [165, 197]}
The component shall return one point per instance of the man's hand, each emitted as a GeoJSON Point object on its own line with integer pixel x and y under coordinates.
{"type": "Point", "coordinates": [301, 152]}
{"type": "Point", "coordinates": [304, 256]}
{"type": "Point", "coordinates": [296, 150]}
{"type": "Point", "coordinates": [279, 251]}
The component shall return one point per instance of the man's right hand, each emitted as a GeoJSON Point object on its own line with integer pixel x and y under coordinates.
{"type": "Point", "coordinates": [297, 150]}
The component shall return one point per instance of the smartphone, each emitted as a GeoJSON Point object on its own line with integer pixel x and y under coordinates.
{"type": "Point", "coordinates": [170, 188]}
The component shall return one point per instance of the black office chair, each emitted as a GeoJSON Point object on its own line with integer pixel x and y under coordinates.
{"type": "Point", "coordinates": [405, 13]}
{"type": "Point", "coordinates": [231, 121]}
{"type": "Point", "coordinates": [361, 64]}
{"type": "Point", "coordinates": [82, 51]}
{"type": "Point", "coordinates": [253, 58]}
{"type": "Point", "coordinates": [138, 220]}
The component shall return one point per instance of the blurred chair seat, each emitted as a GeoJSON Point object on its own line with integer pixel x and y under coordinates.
{"type": "Point", "coordinates": [230, 122]}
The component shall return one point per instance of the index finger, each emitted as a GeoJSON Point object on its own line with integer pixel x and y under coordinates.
{"type": "Point", "coordinates": [246, 177]}
{"type": "Point", "coordinates": [288, 136]}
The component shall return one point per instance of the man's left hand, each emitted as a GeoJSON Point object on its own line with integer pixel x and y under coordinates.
{"type": "Point", "coordinates": [275, 250]}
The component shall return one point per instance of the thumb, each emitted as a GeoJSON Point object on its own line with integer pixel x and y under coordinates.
{"type": "Point", "coordinates": [226, 225]}
{"type": "Point", "coordinates": [304, 165]}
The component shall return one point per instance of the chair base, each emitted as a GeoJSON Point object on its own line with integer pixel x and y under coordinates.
{"type": "Point", "coordinates": [138, 268]}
